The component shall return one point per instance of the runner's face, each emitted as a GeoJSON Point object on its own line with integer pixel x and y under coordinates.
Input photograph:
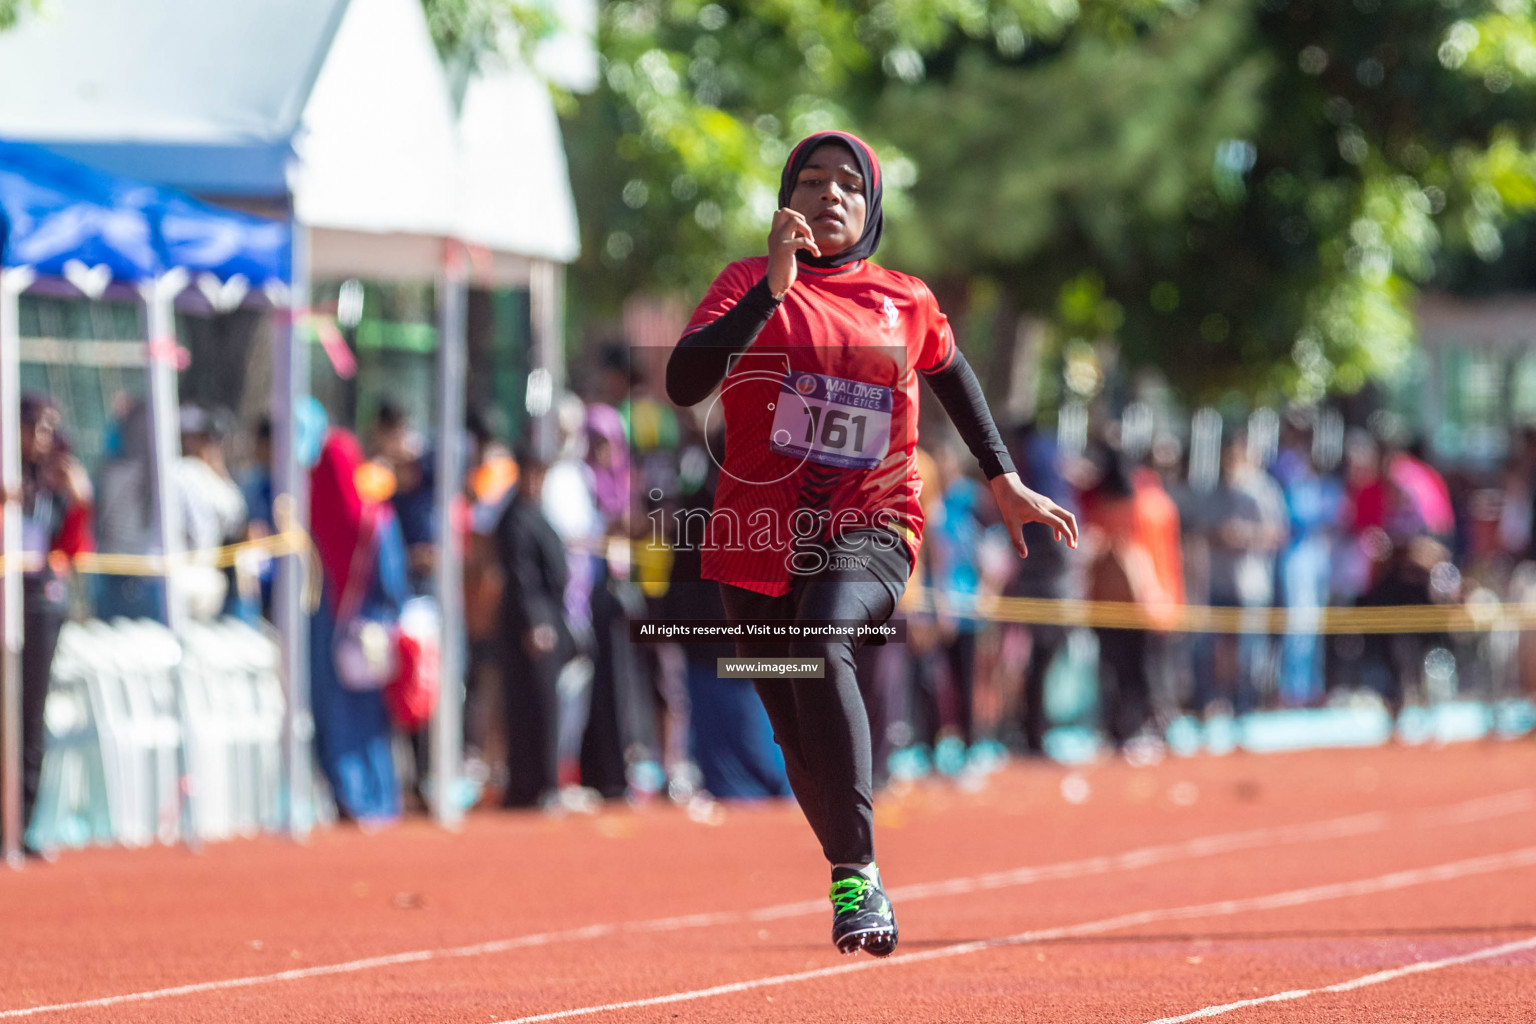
{"type": "Point", "coordinates": [829, 194]}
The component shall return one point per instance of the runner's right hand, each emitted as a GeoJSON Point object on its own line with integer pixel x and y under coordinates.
{"type": "Point", "coordinates": [790, 232]}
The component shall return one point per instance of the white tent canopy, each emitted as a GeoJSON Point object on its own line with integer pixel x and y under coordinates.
{"type": "Point", "coordinates": [340, 106]}
{"type": "Point", "coordinates": [183, 71]}
{"type": "Point", "coordinates": [376, 145]}
{"type": "Point", "coordinates": [512, 161]}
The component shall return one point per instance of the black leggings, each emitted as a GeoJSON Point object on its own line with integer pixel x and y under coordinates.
{"type": "Point", "coordinates": [821, 724]}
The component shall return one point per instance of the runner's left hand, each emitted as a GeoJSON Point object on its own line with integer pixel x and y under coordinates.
{"type": "Point", "coordinates": [1020, 505]}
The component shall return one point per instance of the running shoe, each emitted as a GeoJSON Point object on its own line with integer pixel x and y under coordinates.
{"type": "Point", "coordinates": [862, 917]}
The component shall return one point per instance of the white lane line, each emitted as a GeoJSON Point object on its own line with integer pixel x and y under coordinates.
{"type": "Point", "coordinates": [1498, 806]}
{"type": "Point", "coordinates": [1148, 856]}
{"type": "Point", "coordinates": [1525, 857]}
{"type": "Point", "coordinates": [1487, 953]}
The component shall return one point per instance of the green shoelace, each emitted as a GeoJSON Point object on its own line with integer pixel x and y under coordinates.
{"type": "Point", "coordinates": [848, 893]}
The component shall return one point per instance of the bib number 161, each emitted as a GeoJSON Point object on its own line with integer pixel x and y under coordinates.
{"type": "Point", "coordinates": [833, 421]}
{"type": "Point", "coordinates": [835, 428]}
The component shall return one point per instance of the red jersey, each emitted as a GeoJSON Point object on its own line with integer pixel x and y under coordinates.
{"type": "Point", "coordinates": [820, 418]}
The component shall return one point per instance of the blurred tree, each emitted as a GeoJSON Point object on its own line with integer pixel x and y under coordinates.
{"type": "Point", "coordinates": [675, 158]}
{"type": "Point", "coordinates": [467, 33]}
{"type": "Point", "coordinates": [10, 11]}
{"type": "Point", "coordinates": [1246, 193]}
{"type": "Point", "coordinates": [1255, 190]}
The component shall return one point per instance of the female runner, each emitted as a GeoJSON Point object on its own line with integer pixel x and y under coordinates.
{"type": "Point", "coordinates": [816, 522]}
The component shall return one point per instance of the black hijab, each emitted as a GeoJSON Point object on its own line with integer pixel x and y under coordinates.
{"type": "Point", "coordinates": [869, 167]}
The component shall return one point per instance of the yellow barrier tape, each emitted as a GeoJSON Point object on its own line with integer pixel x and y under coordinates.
{"type": "Point", "coordinates": [1472, 617]}
{"type": "Point", "coordinates": [1476, 617]}
{"type": "Point", "coordinates": [289, 540]}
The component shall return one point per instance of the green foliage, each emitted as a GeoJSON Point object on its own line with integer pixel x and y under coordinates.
{"type": "Point", "coordinates": [11, 11]}
{"type": "Point", "coordinates": [676, 156]}
{"type": "Point", "coordinates": [1246, 193]}
{"type": "Point", "coordinates": [1262, 186]}
{"type": "Point", "coordinates": [468, 33]}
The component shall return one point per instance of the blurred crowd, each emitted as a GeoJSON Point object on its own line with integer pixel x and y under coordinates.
{"type": "Point", "coordinates": [1276, 522]}
{"type": "Point", "coordinates": [564, 546]}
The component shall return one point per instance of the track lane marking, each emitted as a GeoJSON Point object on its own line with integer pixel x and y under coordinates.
{"type": "Point", "coordinates": [1465, 812]}
{"type": "Point", "coordinates": [1525, 857]}
{"type": "Point", "coordinates": [1487, 953]}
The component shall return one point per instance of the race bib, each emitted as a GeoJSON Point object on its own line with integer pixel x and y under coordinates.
{"type": "Point", "coordinates": [832, 421]}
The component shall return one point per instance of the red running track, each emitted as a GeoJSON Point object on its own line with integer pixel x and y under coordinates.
{"type": "Point", "coordinates": [1379, 885]}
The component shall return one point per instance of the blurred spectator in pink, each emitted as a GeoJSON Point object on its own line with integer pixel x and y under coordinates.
{"type": "Point", "coordinates": [621, 726]}
{"type": "Point", "coordinates": [1422, 484]}
{"type": "Point", "coordinates": [608, 457]}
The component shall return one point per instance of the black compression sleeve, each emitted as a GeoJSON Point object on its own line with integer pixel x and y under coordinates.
{"type": "Point", "coordinates": [959, 392]}
{"type": "Point", "coordinates": [701, 358]}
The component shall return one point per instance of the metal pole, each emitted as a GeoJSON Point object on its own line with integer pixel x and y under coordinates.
{"type": "Point", "coordinates": [548, 349]}
{"type": "Point", "coordinates": [12, 283]}
{"type": "Point", "coordinates": [165, 432]}
{"type": "Point", "coordinates": [447, 721]}
{"type": "Point", "coordinates": [290, 383]}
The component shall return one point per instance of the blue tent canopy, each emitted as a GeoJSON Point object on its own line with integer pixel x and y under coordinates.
{"type": "Point", "coordinates": [207, 239]}
{"type": "Point", "coordinates": [54, 211]}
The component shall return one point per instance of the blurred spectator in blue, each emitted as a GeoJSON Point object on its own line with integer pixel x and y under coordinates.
{"type": "Point", "coordinates": [256, 487]}
{"type": "Point", "coordinates": [126, 523]}
{"type": "Point", "coordinates": [1045, 574]}
{"type": "Point", "coordinates": [397, 447]}
{"type": "Point", "coordinates": [956, 537]}
{"type": "Point", "coordinates": [1313, 502]}
{"type": "Point", "coordinates": [729, 735]}
{"type": "Point", "coordinates": [908, 707]}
